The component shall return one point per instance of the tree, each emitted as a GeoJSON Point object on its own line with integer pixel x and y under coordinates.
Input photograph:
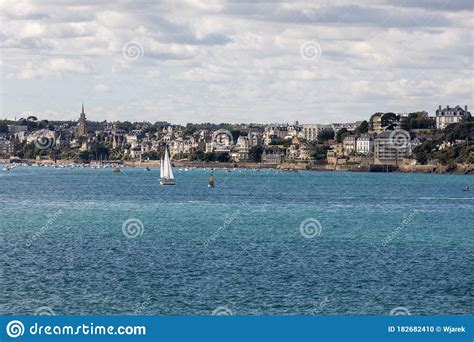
{"type": "Point", "coordinates": [461, 131]}
{"type": "Point", "coordinates": [236, 134]}
{"type": "Point", "coordinates": [198, 155]}
{"type": "Point", "coordinates": [320, 152]}
{"type": "Point", "coordinates": [3, 127]}
{"type": "Point", "coordinates": [127, 126]}
{"type": "Point", "coordinates": [423, 152]}
{"type": "Point", "coordinates": [255, 153]}
{"type": "Point", "coordinates": [389, 121]}
{"type": "Point", "coordinates": [42, 124]}
{"type": "Point", "coordinates": [84, 156]}
{"type": "Point", "coordinates": [29, 151]}
{"type": "Point", "coordinates": [419, 120]}
{"type": "Point", "coordinates": [219, 157]}
{"type": "Point", "coordinates": [325, 135]}
{"type": "Point", "coordinates": [100, 151]}
{"type": "Point", "coordinates": [362, 128]}
{"type": "Point", "coordinates": [341, 134]}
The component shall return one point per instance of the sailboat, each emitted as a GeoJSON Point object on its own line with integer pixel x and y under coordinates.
{"type": "Point", "coordinates": [211, 181]}
{"type": "Point", "coordinates": [166, 173]}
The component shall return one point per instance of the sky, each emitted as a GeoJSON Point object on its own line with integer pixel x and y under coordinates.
{"type": "Point", "coordinates": [234, 61]}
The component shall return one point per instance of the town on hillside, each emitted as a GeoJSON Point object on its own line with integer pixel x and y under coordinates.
{"type": "Point", "coordinates": [385, 141]}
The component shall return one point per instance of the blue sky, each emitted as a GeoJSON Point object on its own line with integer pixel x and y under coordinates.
{"type": "Point", "coordinates": [234, 61]}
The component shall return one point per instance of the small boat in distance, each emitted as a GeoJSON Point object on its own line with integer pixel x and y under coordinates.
{"type": "Point", "coordinates": [211, 181]}
{"type": "Point", "coordinates": [116, 169]}
{"type": "Point", "coordinates": [166, 173]}
{"type": "Point", "coordinates": [147, 168]}
{"type": "Point", "coordinates": [466, 189]}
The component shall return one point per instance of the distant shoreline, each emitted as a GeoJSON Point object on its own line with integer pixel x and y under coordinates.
{"type": "Point", "coordinates": [405, 168]}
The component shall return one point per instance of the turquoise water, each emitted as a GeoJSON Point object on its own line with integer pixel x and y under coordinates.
{"type": "Point", "coordinates": [381, 241]}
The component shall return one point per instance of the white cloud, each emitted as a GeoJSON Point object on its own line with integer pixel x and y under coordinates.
{"type": "Point", "coordinates": [234, 61]}
{"type": "Point", "coordinates": [51, 67]}
{"type": "Point", "coordinates": [101, 88]}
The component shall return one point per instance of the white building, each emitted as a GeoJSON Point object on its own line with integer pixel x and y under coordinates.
{"type": "Point", "coordinates": [364, 144]}
{"type": "Point", "coordinates": [41, 134]}
{"type": "Point", "coordinates": [310, 131]}
{"type": "Point", "coordinates": [134, 136]}
{"type": "Point", "coordinates": [349, 144]}
{"type": "Point", "coordinates": [447, 116]}
{"type": "Point", "coordinates": [180, 147]}
{"type": "Point", "coordinates": [255, 138]}
{"type": "Point", "coordinates": [275, 132]}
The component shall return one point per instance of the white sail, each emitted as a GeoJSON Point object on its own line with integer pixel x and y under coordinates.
{"type": "Point", "coordinates": [166, 162]}
{"type": "Point", "coordinates": [170, 171]}
{"type": "Point", "coordinates": [161, 168]}
{"type": "Point", "coordinates": [166, 173]}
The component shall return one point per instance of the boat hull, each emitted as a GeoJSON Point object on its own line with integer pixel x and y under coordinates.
{"type": "Point", "coordinates": [164, 181]}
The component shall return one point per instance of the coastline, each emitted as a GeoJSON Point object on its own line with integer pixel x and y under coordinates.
{"type": "Point", "coordinates": [298, 166]}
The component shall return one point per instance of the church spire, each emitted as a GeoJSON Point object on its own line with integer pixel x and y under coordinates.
{"type": "Point", "coordinates": [82, 125]}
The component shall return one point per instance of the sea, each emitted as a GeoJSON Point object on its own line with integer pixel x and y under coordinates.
{"type": "Point", "coordinates": [82, 241]}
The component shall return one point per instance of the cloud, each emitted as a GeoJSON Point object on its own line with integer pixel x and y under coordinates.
{"type": "Point", "coordinates": [234, 61]}
{"type": "Point", "coordinates": [101, 88]}
{"type": "Point", "coordinates": [55, 67]}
